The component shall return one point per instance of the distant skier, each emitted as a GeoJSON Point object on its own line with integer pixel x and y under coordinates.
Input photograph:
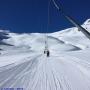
{"type": "Point", "coordinates": [47, 52]}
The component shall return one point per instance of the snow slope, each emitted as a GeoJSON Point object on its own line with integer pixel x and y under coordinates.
{"type": "Point", "coordinates": [23, 64]}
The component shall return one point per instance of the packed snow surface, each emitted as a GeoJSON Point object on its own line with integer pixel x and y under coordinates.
{"type": "Point", "coordinates": [24, 65]}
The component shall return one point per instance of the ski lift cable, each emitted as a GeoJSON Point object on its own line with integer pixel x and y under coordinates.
{"type": "Point", "coordinates": [70, 19]}
{"type": "Point", "coordinates": [48, 22]}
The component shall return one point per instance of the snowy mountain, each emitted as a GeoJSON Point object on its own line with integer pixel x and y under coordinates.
{"type": "Point", "coordinates": [24, 65]}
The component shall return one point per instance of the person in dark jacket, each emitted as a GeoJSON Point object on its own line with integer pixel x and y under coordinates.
{"type": "Point", "coordinates": [47, 52]}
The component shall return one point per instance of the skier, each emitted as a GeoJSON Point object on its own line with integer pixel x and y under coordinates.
{"type": "Point", "coordinates": [47, 52]}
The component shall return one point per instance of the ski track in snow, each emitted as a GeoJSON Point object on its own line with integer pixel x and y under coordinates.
{"type": "Point", "coordinates": [42, 73]}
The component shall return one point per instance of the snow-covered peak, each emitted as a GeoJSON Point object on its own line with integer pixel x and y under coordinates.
{"type": "Point", "coordinates": [70, 39]}
{"type": "Point", "coordinates": [87, 22]}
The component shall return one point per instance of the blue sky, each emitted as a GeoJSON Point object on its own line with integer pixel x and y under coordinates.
{"type": "Point", "coordinates": [31, 15]}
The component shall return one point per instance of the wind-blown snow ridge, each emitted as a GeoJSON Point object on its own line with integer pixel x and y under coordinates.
{"type": "Point", "coordinates": [23, 64]}
{"type": "Point", "coordinates": [87, 22]}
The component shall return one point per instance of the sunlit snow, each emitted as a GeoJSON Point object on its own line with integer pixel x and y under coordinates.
{"type": "Point", "coordinates": [24, 65]}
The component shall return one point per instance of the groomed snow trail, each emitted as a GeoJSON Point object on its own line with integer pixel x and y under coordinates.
{"type": "Point", "coordinates": [57, 72]}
